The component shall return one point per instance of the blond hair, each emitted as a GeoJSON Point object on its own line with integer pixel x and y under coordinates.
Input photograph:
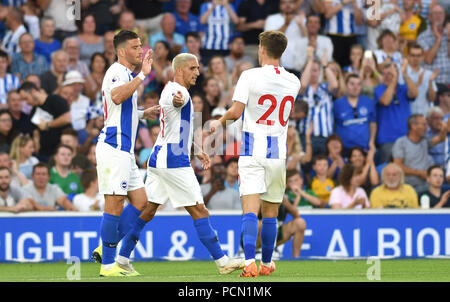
{"type": "Point", "coordinates": [394, 165]}
{"type": "Point", "coordinates": [19, 142]}
{"type": "Point", "coordinates": [181, 60]}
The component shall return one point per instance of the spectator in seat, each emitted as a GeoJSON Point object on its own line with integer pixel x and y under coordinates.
{"type": "Point", "coordinates": [355, 117]}
{"type": "Point", "coordinates": [438, 198]}
{"type": "Point", "coordinates": [79, 103]}
{"type": "Point", "coordinates": [392, 97]}
{"type": "Point", "coordinates": [321, 184]}
{"type": "Point", "coordinates": [52, 79]}
{"type": "Point", "coordinates": [410, 152]}
{"type": "Point", "coordinates": [127, 22]}
{"type": "Point", "coordinates": [435, 119]}
{"type": "Point", "coordinates": [27, 61]}
{"type": "Point", "coordinates": [11, 197]}
{"type": "Point", "coordinates": [434, 41]}
{"type": "Point", "coordinates": [16, 28]}
{"type": "Point", "coordinates": [93, 82]}
{"type": "Point", "coordinates": [51, 119]}
{"type": "Point", "coordinates": [71, 45]}
{"type": "Point", "coordinates": [424, 80]}
{"type": "Point", "coordinates": [185, 20]}
{"type": "Point", "coordinates": [21, 120]}
{"type": "Point", "coordinates": [17, 178]}
{"type": "Point", "coordinates": [216, 195]}
{"type": "Point", "coordinates": [168, 34]}
{"type": "Point", "coordinates": [393, 192]}
{"type": "Point", "coordinates": [22, 150]}
{"type": "Point", "coordinates": [45, 196]}
{"type": "Point", "coordinates": [9, 80]}
{"type": "Point", "coordinates": [297, 194]}
{"type": "Point", "coordinates": [46, 44]}
{"type": "Point", "coordinates": [60, 173]}
{"type": "Point", "coordinates": [90, 42]}
{"type": "Point", "coordinates": [237, 48]}
{"type": "Point", "coordinates": [90, 200]}
{"type": "Point", "coordinates": [321, 44]}
{"type": "Point", "coordinates": [218, 18]}
{"type": "Point", "coordinates": [368, 178]}
{"type": "Point", "coordinates": [349, 195]}
{"type": "Point", "coordinates": [7, 132]}
{"type": "Point", "coordinates": [232, 174]}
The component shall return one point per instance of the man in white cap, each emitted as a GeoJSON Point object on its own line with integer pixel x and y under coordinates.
{"type": "Point", "coordinates": [79, 103]}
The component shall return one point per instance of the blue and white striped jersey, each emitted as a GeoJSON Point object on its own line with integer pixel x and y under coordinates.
{"type": "Point", "coordinates": [173, 146]}
{"type": "Point", "coordinates": [342, 23]}
{"type": "Point", "coordinates": [320, 103]}
{"type": "Point", "coordinates": [121, 121]}
{"type": "Point", "coordinates": [218, 28]}
{"type": "Point", "coordinates": [7, 83]}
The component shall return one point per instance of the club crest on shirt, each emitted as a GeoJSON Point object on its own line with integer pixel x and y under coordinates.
{"type": "Point", "coordinates": [73, 186]}
{"type": "Point", "coordinates": [124, 184]}
{"type": "Point", "coordinates": [363, 111]}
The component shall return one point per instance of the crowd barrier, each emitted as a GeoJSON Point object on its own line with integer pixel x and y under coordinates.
{"type": "Point", "coordinates": [330, 234]}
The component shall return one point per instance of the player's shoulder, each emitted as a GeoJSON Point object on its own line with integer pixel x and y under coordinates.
{"type": "Point", "coordinates": [291, 77]}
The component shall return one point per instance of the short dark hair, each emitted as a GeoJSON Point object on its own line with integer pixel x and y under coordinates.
{"type": "Point", "coordinates": [430, 169]}
{"type": "Point", "coordinates": [414, 46]}
{"type": "Point", "coordinates": [27, 87]}
{"type": "Point", "coordinates": [301, 106]}
{"type": "Point", "coordinates": [3, 54]}
{"type": "Point", "coordinates": [313, 15]}
{"type": "Point", "coordinates": [231, 160]}
{"type": "Point", "coordinates": [351, 76]}
{"type": "Point", "coordinates": [192, 34]}
{"type": "Point", "coordinates": [274, 42]}
{"type": "Point", "coordinates": [63, 146]}
{"type": "Point", "coordinates": [290, 173]}
{"type": "Point", "coordinates": [319, 157]}
{"type": "Point", "coordinates": [332, 137]}
{"type": "Point", "coordinates": [70, 131]}
{"type": "Point", "coordinates": [412, 119]}
{"type": "Point", "coordinates": [123, 36]}
{"type": "Point", "coordinates": [41, 165]}
{"type": "Point", "coordinates": [88, 176]}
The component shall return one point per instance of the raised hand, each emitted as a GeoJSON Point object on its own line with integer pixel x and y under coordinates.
{"type": "Point", "coordinates": [206, 161]}
{"type": "Point", "coordinates": [147, 62]}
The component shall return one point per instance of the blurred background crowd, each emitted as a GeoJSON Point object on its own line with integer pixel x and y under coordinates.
{"type": "Point", "coordinates": [368, 129]}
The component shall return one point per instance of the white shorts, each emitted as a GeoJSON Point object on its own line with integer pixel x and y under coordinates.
{"type": "Point", "coordinates": [179, 185]}
{"type": "Point", "coordinates": [117, 171]}
{"type": "Point", "coordinates": [264, 176]}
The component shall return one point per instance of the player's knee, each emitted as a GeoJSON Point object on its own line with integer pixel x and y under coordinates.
{"type": "Point", "coordinates": [149, 211]}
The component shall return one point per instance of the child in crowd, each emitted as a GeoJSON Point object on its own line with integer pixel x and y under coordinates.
{"type": "Point", "coordinates": [296, 193]}
{"type": "Point", "coordinates": [321, 184]}
{"type": "Point", "coordinates": [90, 200]}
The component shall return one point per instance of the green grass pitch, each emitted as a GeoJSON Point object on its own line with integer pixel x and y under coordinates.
{"type": "Point", "coordinates": [405, 270]}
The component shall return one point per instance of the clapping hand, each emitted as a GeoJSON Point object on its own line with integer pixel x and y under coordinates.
{"type": "Point", "coordinates": [147, 62]}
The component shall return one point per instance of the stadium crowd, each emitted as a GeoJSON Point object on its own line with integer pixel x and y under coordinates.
{"type": "Point", "coordinates": [369, 128]}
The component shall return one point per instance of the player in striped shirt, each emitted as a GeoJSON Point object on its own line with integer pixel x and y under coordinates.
{"type": "Point", "coordinates": [267, 95]}
{"type": "Point", "coordinates": [169, 173]}
{"type": "Point", "coordinates": [118, 174]}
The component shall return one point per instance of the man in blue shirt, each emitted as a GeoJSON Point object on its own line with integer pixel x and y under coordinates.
{"type": "Point", "coordinates": [355, 117]}
{"type": "Point", "coordinates": [392, 99]}
{"type": "Point", "coordinates": [185, 21]}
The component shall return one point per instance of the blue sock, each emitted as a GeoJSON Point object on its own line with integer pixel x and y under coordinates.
{"type": "Point", "coordinates": [250, 234]}
{"type": "Point", "coordinates": [131, 238]}
{"type": "Point", "coordinates": [208, 237]}
{"type": "Point", "coordinates": [127, 219]}
{"type": "Point", "coordinates": [110, 237]}
{"type": "Point", "coordinates": [268, 237]}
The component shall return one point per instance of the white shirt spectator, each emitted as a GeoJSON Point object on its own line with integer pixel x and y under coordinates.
{"type": "Point", "coordinates": [293, 34]}
{"type": "Point", "coordinates": [84, 203]}
{"type": "Point", "coordinates": [299, 56]}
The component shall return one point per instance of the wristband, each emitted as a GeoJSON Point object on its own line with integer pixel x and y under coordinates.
{"type": "Point", "coordinates": [141, 76]}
